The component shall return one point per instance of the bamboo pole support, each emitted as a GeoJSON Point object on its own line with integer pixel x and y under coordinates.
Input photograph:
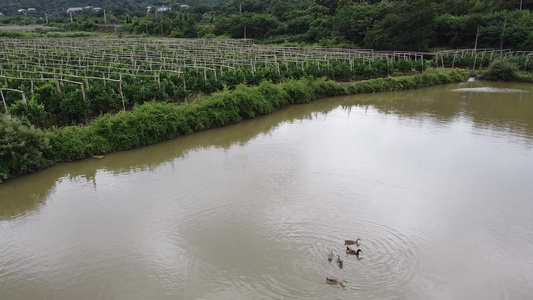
{"type": "Point", "coordinates": [14, 90]}
{"type": "Point", "coordinates": [120, 91]}
{"type": "Point", "coordinates": [453, 62]}
{"type": "Point", "coordinates": [3, 100]}
{"type": "Point", "coordinates": [83, 92]}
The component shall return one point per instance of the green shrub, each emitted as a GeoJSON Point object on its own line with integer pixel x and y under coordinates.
{"type": "Point", "coordinates": [34, 113]}
{"type": "Point", "coordinates": [23, 149]}
{"type": "Point", "coordinates": [408, 82]}
{"type": "Point", "coordinates": [298, 91]}
{"type": "Point", "coordinates": [70, 34]}
{"type": "Point", "coordinates": [75, 142]}
{"type": "Point", "coordinates": [523, 77]}
{"type": "Point", "coordinates": [326, 88]}
{"type": "Point", "coordinates": [17, 34]}
{"type": "Point", "coordinates": [501, 70]}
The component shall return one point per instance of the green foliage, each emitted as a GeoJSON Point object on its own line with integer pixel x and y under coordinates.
{"type": "Point", "coordinates": [33, 112]}
{"type": "Point", "coordinates": [501, 70]}
{"type": "Point", "coordinates": [391, 25]}
{"type": "Point", "coordinates": [17, 34]}
{"type": "Point", "coordinates": [64, 104]}
{"type": "Point", "coordinates": [153, 122]}
{"type": "Point", "coordinates": [69, 34]}
{"type": "Point", "coordinates": [73, 107]}
{"type": "Point", "coordinates": [103, 98]}
{"type": "Point", "coordinates": [524, 77]}
{"type": "Point", "coordinates": [298, 91]}
{"type": "Point", "coordinates": [409, 82]}
{"type": "Point", "coordinates": [408, 26]}
{"type": "Point", "coordinates": [23, 149]}
{"type": "Point", "coordinates": [75, 142]}
{"type": "Point", "coordinates": [353, 21]}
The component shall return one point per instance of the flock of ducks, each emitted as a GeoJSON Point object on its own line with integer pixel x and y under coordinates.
{"type": "Point", "coordinates": [331, 255]}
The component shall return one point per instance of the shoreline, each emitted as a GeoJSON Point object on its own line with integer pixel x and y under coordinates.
{"type": "Point", "coordinates": [154, 122]}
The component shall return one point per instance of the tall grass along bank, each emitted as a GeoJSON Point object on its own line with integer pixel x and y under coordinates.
{"type": "Point", "coordinates": [24, 149]}
{"type": "Point", "coordinates": [409, 82]}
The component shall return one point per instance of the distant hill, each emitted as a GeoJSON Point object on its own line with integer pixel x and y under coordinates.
{"type": "Point", "coordinates": [11, 6]}
{"type": "Point", "coordinates": [121, 7]}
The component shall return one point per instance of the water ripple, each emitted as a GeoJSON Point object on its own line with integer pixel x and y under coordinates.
{"type": "Point", "coordinates": [489, 90]}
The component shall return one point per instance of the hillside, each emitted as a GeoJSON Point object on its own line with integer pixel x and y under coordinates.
{"type": "Point", "coordinates": [382, 25]}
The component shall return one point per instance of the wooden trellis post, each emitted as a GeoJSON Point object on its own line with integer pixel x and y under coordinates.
{"type": "Point", "coordinates": [453, 62]}
{"type": "Point", "coordinates": [120, 91]}
{"type": "Point", "coordinates": [3, 100]}
{"type": "Point", "coordinates": [183, 78]}
{"type": "Point", "coordinates": [13, 90]}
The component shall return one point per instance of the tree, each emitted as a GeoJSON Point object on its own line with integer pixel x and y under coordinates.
{"type": "Point", "coordinates": [352, 22]}
{"type": "Point", "coordinates": [409, 26]}
{"type": "Point", "coordinates": [22, 149]}
{"type": "Point", "coordinates": [330, 4]}
{"type": "Point", "coordinates": [283, 9]}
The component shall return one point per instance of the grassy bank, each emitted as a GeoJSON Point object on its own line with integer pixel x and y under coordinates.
{"type": "Point", "coordinates": [24, 149]}
{"type": "Point", "coordinates": [409, 82]}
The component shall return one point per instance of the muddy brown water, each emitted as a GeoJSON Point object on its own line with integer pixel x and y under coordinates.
{"type": "Point", "coordinates": [436, 182]}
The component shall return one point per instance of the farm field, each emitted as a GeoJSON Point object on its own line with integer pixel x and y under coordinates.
{"type": "Point", "coordinates": [74, 79]}
{"type": "Point", "coordinates": [53, 81]}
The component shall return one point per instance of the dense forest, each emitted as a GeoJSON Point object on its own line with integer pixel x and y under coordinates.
{"type": "Point", "coordinates": [376, 24]}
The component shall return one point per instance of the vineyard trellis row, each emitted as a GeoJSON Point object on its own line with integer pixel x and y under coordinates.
{"type": "Point", "coordinates": [142, 70]}
{"type": "Point", "coordinates": [481, 58]}
{"type": "Point", "coordinates": [13, 90]}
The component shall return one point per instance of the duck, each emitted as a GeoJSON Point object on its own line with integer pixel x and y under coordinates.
{"type": "Point", "coordinates": [352, 242]}
{"type": "Point", "coordinates": [335, 281]}
{"type": "Point", "coordinates": [352, 251]}
{"type": "Point", "coordinates": [339, 261]}
{"type": "Point", "coordinates": [330, 256]}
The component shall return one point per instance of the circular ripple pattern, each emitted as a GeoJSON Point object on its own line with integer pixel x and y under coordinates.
{"type": "Point", "coordinates": [388, 263]}
{"type": "Point", "coordinates": [391, 259]}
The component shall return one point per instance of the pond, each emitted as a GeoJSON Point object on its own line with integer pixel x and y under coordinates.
{"type": "Point", "coordinates": [436, 182]}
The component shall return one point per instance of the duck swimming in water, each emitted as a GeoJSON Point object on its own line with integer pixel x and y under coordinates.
{"type": "Point", "coordinates": [330, 256]}
{"type": "Point", "coordinates": [352, 251]}
{"type": "Point", "coordinates": [335, 281]}
{"type": "Point", "coordinates": [352, 242]}
{"type": "Point", "coordinates": [339, 261]}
